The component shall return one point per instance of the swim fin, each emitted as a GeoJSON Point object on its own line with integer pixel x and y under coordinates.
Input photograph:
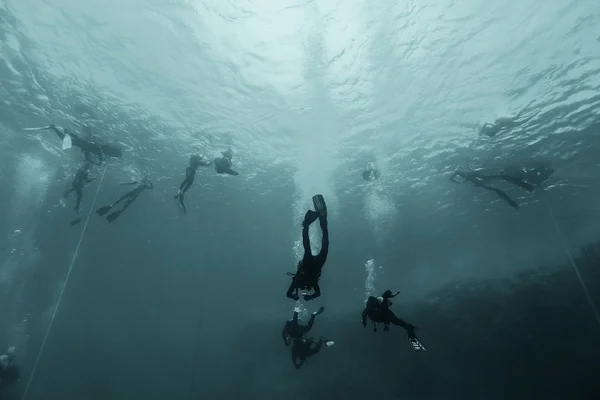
{"type": "Point", "coordinates": [416, 344]}
{"type": "Point", "coordinates": [310, 217]}
{"type": "Point", "coordinates": [41, 128]}
{"type": "Point", "coordinates": [113, 216]}
{"type": "Point", "coordinates": [320, 205]}
{"type": "Point", "coordinates": [66, 143]}
{"type": "Point", "coordinates": [232, 172]}
{"type": "Point", "coordinates": [75, 221]}
{"type": "Point", "coordinates": [103, 210]}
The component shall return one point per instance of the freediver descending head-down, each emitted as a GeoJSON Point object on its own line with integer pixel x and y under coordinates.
{"type": "Point", "coordinates": [308, 271]}
{"type": "Point", "coordinates": [190, 174]}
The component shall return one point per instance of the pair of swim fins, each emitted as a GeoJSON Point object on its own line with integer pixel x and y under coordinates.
{"type": "Point", "coordinates": [111, 217]}
{"type": "Point", "coordinates": [320, 205]}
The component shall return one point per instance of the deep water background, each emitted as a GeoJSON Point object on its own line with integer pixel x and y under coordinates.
{"type": "Point", "coordinates": [160, 305]}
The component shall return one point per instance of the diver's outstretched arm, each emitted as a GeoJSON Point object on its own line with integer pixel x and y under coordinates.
{"type": "Point", "coordinates": [129, 183]}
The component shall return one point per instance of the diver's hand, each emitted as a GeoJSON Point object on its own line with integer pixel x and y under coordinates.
{"type": "Point", "coordinates": [308, 297]}
{"type": "Point", "coordinates": [294, 296]}
{"type": "Point", "coordinates": [364, 324]}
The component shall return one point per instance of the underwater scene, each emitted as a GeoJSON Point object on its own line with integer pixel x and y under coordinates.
{"type": "Point", "coordinates": [299, 199]}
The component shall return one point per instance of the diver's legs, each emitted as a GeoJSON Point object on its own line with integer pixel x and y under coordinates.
{"type": "Point", "coordinates": [79, 197]}
{"type": "Point", "coordinates": [309, 218]}
{"type": "Point", "coordinates": [505, 197]}
{"type": "Point", "coordinates": [185, 185]}
{"type": "Point", "coordinates": [390, 317]}
{"type": "Point", "coordinates": [120, 199]}
{"type": "Point", "coordinates": [132, 197]}
{"type": "Point", "coordinates": [501, 194]}
{"type": "Point", "coordinates": [322, 256]}
{"type": "Point", "coordinates": [68, 192]}
{"type": "Point", "coordinates": [517, 182]}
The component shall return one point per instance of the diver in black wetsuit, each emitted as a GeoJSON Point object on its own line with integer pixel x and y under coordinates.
{"type": "Point", "coordinates": [9, 371]}
{"type": "Point", "coordinates": [309, 268]}
{"type": "Point", "coordinates": [370, 173]}
{"type": "Point", "coordinates": [378, 311]}
{"type": "Point", "coordinates": [190, 173]}
{"type": "Point", "coordinates": [81, 178]}
{"type": "Point", "coordinates": [295, 333]}
{"type": "Point", "coordinates": [223, 164]}
{"type": "Point", "coordinates": [304, 348]}
{"type": "Point", "coordinates": [294, 330]}
{"type": "Point", "coordinates": [88, 147]}
{"type": "Point", "coordinates": [129, 196]}
{"type": "Point", "coordinates": [483, 181]}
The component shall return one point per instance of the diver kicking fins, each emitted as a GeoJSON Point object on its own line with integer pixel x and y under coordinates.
{"type": "Point", "coordinates": [320, 205]}
{"type": "Point", "coordinates": [66, 139]}
{"type": "Point", "coordinates": [103, 210]}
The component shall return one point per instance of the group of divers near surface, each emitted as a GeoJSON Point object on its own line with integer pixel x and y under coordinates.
{"type": "Point", "coordinates": [309, 268]}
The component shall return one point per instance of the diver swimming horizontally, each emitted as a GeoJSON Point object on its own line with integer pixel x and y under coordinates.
{"type": "Point", "coordinates": [482, 181]}
{"type": "Point", "coordinates": [81, 179]}
{"type": "Point", "coordinates": [129, 196]}
{"type": "Point", "coordinates": [378, 311]}
{"type": "Point", "coordinates": [309, 268]}
{"type": "Point", "coordinates": [223, 164]}
{"type": "Point", "coordinates": [9, 371]}
{"type": "Point", "coordinates": [88, 147]}
{"type": "Point", "coordinates": [190, 173]}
